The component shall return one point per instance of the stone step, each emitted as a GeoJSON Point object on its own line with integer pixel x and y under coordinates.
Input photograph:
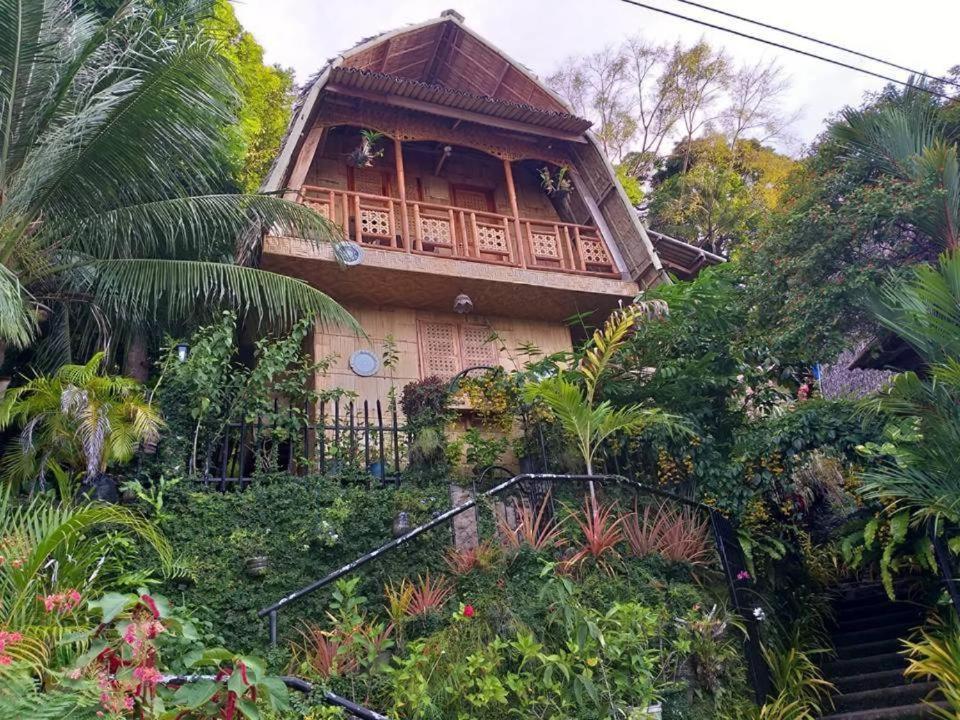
{"type": "Point", "coordinates": [871, 681]}
{"type": "Point", "coordinates": [901, 712]}
{"type": "Point", "coordinates": [860, 665]}
{"type": "Point", "coordinates": [873, 634]}
{"type": "Point", "coordinates": [906, 618]}
{"type": "Point", "coordinates": [910, 694]}
{"type": "Point", "coordinates": [866, 649]}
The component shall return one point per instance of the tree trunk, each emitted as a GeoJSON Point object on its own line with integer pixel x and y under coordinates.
{"type": "Point", "coordinates": [136, 361]}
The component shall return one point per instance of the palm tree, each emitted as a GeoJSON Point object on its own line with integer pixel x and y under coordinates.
{"type": "Point", "coordinates": [572, 396]}
{"type": "Point", "coordinates": [924, 474]}
{"type": "Point", "coordinates": [112, 209]}
{"type": "Point", "coordinates": [79, 420]}
{"type": "Point", "coordinates": [907, 140]}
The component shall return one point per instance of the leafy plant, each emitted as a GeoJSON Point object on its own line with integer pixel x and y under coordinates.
{"type": "Point", "coordinates": [535, 529]}
{"type": "Point", "coordinates": [573, 399]}
{"type": "Point", "coordinates": [936, 655]}
{"type": "Point", "coordinates": [555, 183]}
{"type": "Point", "coordinates": [601, 531]}
{"type": "Point", "coordinates": [430, 594]}
{"type": "Point", "coordinates": [367, 151]}
{"type": "Point", "coordinates": [79, 420]}
{"type": "Point", "coordinates": [677, 535]}
{"type": "Point", "coordinates": [112, 204]}
{"type": "Point", "coordinates": [462, 561]}
{"type": "Point", "coordinates": [800, 692]}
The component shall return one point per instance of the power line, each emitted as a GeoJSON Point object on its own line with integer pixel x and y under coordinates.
{"type": "Point", "coordinates": [819, 42]}
{"type": "Point", "coordinates": [798, 51]}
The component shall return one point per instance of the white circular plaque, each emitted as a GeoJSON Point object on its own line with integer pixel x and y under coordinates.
{"type": "Point", "coordinates": [364, 363]}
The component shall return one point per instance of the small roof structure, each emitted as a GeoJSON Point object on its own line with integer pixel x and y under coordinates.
{"type": "Point", "coordinates": [683, 258]}
{"type": "Point", "coordinates": [444, 64]}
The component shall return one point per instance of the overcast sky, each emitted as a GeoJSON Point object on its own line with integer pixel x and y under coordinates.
{"type": "Point", "coordinates": [922, 34]}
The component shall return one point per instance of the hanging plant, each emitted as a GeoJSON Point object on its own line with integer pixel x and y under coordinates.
{"type": "Point", "coordinates": [555, 184]}
{"type": "Point", "coordinates": [367, 151]}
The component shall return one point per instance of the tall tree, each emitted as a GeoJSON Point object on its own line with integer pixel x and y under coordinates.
{"type": "Point", "coordinates": [266, 93]}
{"type": "Point", "coordinates": [698, 75]}
{"type": "Point", "coordinates": [755, 94]}
{"type": "Point", "coordinates": [112, 149]}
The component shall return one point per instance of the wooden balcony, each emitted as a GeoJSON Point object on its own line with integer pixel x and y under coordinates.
{"type": "Point", "coordinates": [463, 233]}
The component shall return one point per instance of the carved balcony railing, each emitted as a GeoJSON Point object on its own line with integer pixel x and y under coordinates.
{"type": "Point", "coordinates": [462, 233]}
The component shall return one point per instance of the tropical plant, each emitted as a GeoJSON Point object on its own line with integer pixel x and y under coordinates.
{"type": "Point", "coordinates": [799, 690]}
{"type": "Point", "coordinates": [536, 529]}
{"type": "Point", "coordinates": [53, 556]}
{"type": "Point", "coordinates": [462, 561]}
{"type": "Point", "coordinates": [572, 398]}
{"type": "Point", "coordinates": [936, 655]}
{"type": "Point", "coordinates": [920, 471]}
{"type": "Point", "coordinates": [77, 421]}
{"type": "Point", "coordinates": [601, 531]}
{"type": "Point", "coordinates": [674, 534]}
{"type": "Point", "coordinates": [112, 213]}
{"type": "Point", "coordinates": [430, 594]}
{"type": "Point", "coordinates": [367, 151]}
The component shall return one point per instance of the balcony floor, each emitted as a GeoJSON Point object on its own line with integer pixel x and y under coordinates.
{"type": "Point", "coordinates": [390, 278]}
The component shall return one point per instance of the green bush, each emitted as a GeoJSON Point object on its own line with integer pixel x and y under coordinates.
{"type": "Point", "coordinates": [306, 527]}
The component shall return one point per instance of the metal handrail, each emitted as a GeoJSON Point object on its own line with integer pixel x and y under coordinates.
{"type": "Point", "coordinates": [295, 683]}
{"type": "Point", "coordinates": [724, 535]}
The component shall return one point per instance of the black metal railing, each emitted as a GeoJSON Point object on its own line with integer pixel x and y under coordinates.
{"type": "Point", "coordinates": [294, 683]}
{"type": "Point", "coordinates": [363, 439]}
{"type": "Point", "coordinates": [728, 545]}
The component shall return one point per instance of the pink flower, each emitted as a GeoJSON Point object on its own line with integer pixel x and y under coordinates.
{"type": "Point", "coordinates": [130, 634]}
{"type": "Point", "coordinates": [743, 575]}
{"type": "Point", "coordinates": [5, 659]}
{"type": "Point", "coordinates": [149, 602]}
{"type": "Point", "coordinates": [468, 611]}
{"type": "Point", "coordinates": [147, 675]}
{"type": "Point", "coordinates": [128, 702]}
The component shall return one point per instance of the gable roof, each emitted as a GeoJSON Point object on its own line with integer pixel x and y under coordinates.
{"type": "Point", "coordinates": [443, 62]}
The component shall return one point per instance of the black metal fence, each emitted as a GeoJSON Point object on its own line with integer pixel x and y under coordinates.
{"type": "Point", "coordinates": [366, 441]}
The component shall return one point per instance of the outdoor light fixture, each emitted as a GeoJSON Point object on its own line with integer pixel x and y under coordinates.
{"type": "Point", "coordinates": [183, 350]}
{"type": "Point", "coordinates": [462, 304]}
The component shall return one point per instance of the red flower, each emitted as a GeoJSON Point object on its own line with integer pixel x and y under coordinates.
{"type": "Point", "coordinates": [468, 611]}
{"type": "Point", "coordinates": [148, 601]}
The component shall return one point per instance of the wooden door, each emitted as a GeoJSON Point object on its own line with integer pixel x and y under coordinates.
{"type": "Point", "coordinates": [474, 198]}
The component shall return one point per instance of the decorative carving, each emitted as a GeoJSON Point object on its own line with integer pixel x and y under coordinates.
{"type": "Point", "coordinates": [492, 238]}
{"type": "Point", "coordinates": [594, 253]}
{"type": "Point", "coordinates": [545, 245]}
{"type": "Point", "coordinates": [477, 348]}
{"type": "Point", "coordinates": [321, 207]}
{"type": "Point", "coordinates": [438, 349]}
{"type": "Point", "coordinates": [436, 231]}
{"type": "Point", "coordinates": [374, 222]}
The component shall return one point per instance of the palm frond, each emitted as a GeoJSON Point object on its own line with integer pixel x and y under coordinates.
{"type": "Point", "coordinates": [173, 289]}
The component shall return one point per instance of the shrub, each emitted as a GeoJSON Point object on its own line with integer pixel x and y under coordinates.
{"type": "Point", "coordinates": [534, 529]}
{"type": "Point", "coordinates": [674, 534]}
{"type": "Point", "coordinates": [601, 534]}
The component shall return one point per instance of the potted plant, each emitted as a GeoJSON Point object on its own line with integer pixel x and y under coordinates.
{"type": "Point", "coordinates": [557, 184]}
{"type": "Point", "coordinates": [256, 561]}
{"type": "Point", "coordinates": [367, 151]}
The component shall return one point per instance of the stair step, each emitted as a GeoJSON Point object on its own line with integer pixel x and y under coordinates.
{"type": "Point", "coordinates": [880, 632]}
{"type": "Point", "coordinates": [901, 712]}
{"type": "Point", "coordinates": [907, 618]}
{"type": "Point", "coordinates": [884, 697]}
{"type": "Point", "coordinates": [885, 606]}
{"type": "Point", "coordinates": [866, 649]}
{"type": "Point", "coordinates": [871, 681]}
{"type": "Point", "coordinates": [865, 664]}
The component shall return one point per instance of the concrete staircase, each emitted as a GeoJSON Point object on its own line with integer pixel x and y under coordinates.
{"type": "Point", "coordinates": [868, 668]}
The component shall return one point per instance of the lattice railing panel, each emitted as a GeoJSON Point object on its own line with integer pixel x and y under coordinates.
{"type": "Point", "coordinates": [492, 238]}
{"type": "Point", "coordinates": [545, 245]}
{"type": "Point", "coordinates": [375, 222]}
{"type": "Point", "coordinates": [436, 231]}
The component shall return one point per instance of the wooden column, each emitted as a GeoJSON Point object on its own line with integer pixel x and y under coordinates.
{"type": "Point", "coordinates": [311, 147]}
{"type": "Point", "coordinates": [515, 209]}
{"type": "Point", "coordinates": [402, 192]}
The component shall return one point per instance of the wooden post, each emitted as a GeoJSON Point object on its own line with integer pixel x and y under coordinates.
{"type": "Point", "coordinates": [402, 192]}
{"type": "Point", "coordinates": [515, 209]}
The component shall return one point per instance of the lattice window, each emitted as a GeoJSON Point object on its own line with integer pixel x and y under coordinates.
{"type": "Point", "coordinates": [447, 348]}
{"type": "Point", "coordinates": [492, 238]}
{"type": "Point", "coordinates": [439, 351]}
{"type": "Point", "coordinates": [472, 200]}
{"type": "Point", "coordinates": [545, 245]}
{"type": "Point", "coordinates": [594, 253]}
{"type": "Point", "coordinates": [321, 207]}
{"type": "Point", "coordinates": [436, 231]}
{"type": "Point", "coordinates": [375, 222]}
{"type": "Point", "coordinates": [477, 347]}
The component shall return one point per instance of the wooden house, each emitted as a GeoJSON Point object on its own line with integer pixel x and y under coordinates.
{"type": "Point", "coordinates": [457, 237]}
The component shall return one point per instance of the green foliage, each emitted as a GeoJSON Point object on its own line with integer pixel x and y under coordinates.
{"type": "Point", "coordinates": [74, 423]}
{"type": "Point", "coordinates": [66, 554]}
{"type": "Point", "coordinates": [266, 99]}
{"type": "Point", "coordinates": [306, 526]}
{"type": "Point", "coordinates": [935, 655]}
{"type": "Point", "coordinates": [799, 690]}
{"type": "Point", "coordinates": [112, 207]}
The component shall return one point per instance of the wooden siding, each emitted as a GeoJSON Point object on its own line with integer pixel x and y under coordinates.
{"type": "Point", "coordinates": [402, 325]}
